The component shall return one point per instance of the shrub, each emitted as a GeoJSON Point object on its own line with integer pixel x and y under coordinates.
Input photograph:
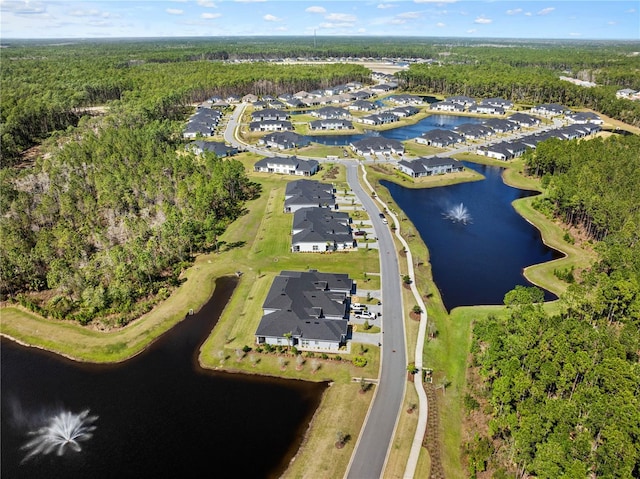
{"type": "Point", "coordinates": [360, 361]}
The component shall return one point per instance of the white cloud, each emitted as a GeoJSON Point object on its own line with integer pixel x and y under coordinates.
{"type": "Point", "coordinates": [271, 18]}
{"type": "Point", "coordinates": [89, 13]}
{"type": "Point", "coordinates": [435, 1]}
{"type": "Point", "coordinates": [249, 1]}
{"type": "Point", "coordinates": [340, 17]}
{"type": "Point", "coordinates": [612, 23]}
{"type": "Point", "coordinates": [546, 11]}
{"type": "Point", "coordinates": [316, 10]}
{"type": "Point", "coordinates": [329, 25]}
{"type": "Point", "coordinates": [528, 14]}
{"type": "Point", "coordinates": [207, 3]}
{"type": "Point", "coordinates": [174, 11]}
{"type": "Point", "coordinates": [440, 25]}
{"type": "Point", "coordinates": [575, 34]}
{"type": "Point", "coordinates": [631, 10]}
{"type": "Point", "coordinates": [482, 20]}
{"type": "Point", "coordinates": [472, 30]}
{"type": "Point", "coordinates": [410, 15]}
{"type": "Point", "coordinates": [386, 5]}
{"type": "Point", "coordinates": [22, 7]}
{"type": "Point", "coordinates": [209, 16]}
{"type": "Point", "coordinates": [515, 11]}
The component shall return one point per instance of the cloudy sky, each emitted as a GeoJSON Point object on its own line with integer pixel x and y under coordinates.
{"type": "Point", "coordinates": [565, 19]}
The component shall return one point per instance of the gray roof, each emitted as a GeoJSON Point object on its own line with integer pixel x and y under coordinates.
{"type": "Point", "coordinates": [422, 165]}
{"type": "Point", "coordinates": [285, 139]}
{"type": "Point", "coordinates": [500, 124]}
{"type": "Point", "coordinates": [378, 143]}
{"type": "Point", "coordinates": [292, 161]}
{"type": "Point", "coordinates": [439, 135]}
{"type": "Point", "coordinates": [322, 220]}
{"type": "Point", "coordinates": [311, 305]}
{"type": "Point", "coordinates": [472, 129]}
{"type": "Point", "coordinates": [523, 118]}
{"type": "Point", "coordinates": [310, 193]}
{"type": "Point", "coordinates": [216, 147]}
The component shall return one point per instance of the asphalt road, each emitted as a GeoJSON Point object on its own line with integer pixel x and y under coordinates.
{"type": "Point", "coordinates": [373, 445]}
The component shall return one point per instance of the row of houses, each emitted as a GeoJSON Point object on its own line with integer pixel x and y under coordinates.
{"type": "Point", "coordinates": [462, 103]}
{"type": "Point", "coordinates": [431, 166]}
{"type": "Point", "coordinates": [308, 310]}
{"type": "Point", "coordinates": [202, 123]}
{"type": "Point", "coordinates": [317, 225]}
{"type": "Point", "coordinates": [508, 150]}
{"type": "Point", "coordinates": [287, 165]}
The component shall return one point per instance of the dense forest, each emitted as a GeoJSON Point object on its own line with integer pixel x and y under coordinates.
{"type": "Point", "coordinates": [563, 389]}
{"type": "Point", "coordinates": [48, 87]}
{"type": "Point", "coordinates": [103, 219]}
{"type": "Point", "coordinates": [527, 85]}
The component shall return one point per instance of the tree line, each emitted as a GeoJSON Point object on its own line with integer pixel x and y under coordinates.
{"type": "Point", "coordinates": [561, 390]}
{"type": "Point", "coordinates": [526, 85]}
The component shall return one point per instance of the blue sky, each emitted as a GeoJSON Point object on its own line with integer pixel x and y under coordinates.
{"type": "Point", "coordinates": [566, 19]}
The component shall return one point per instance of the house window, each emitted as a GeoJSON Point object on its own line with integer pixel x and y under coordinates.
{"type": "Point", "coordinates": [315, 247]}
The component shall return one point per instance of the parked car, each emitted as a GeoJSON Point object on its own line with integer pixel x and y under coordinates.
{"type": "Point", "coordinates": [365, 315]}
{"type": "Point", "coordinates": [359, 233]}
{"type": "Point", "coordinates": [381, 215]}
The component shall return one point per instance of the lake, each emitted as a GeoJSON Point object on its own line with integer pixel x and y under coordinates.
{"type": "Point", "coordinates": [478, 261]}
{"type": "Point", "coordinates": [159, 414]}
{"type": "Point", "coordinates": [402, 133]}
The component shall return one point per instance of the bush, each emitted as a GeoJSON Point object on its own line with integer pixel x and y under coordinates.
{"type": "Point", "coordinates": [360, 361]}
{"type": "Point", "coordinates": [470, 403]}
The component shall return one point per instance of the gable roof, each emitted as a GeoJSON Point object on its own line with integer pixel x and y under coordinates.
{"type": "Point", "coordinates": [310, 305]}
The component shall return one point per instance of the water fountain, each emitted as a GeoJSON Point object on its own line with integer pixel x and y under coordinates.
{"type": "Point", "coordinates": [458, 214]}
{"type": "Point", "coordinates": [64, 431]}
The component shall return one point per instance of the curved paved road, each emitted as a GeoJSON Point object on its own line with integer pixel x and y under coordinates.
{"type": "Point", "coordinates": [373, 445]}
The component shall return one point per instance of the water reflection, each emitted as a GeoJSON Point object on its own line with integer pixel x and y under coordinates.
{"type": "Point", "coordinates": [475, 262]}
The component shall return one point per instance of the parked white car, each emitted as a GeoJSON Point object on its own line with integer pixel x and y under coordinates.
{"type": "Point", "coordinates": [365, 315]}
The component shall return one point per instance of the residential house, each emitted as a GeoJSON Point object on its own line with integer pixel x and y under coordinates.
{"type": "Point", "coordinates": [440, 138]}
{"type": "Point", "coordinates": [501, 125]}
{"type": "Point", "coordinates": [406, 99]}
{"type": "Point", "coordinates": [362, 105]}
{"type": "Point", "coordinates": [628, 94]}
{"type": "Point", "coordinates": [308, 310]}
{"type": "Point", "coordinates": [503, 151]}
{"type": "Point", "coordinates": [404, 111]}
{"type": "Point", "coordinates": [463, 100]}
{"type": "Point", "coordinates": [429, 166]}
{"type": "Point", "coordinates": [486, 109]}
{"type": "Point", "coordinates": [284, 140]}
{"type": "Point", "coordinates": [499, 102]}
{"type": "Point", "coordinates": [583, 117]}
{"type": "Point", "coordinates": [270, 125]}
{"type": "Point", "coordinates": [287, 165]}
{"type": "Point", "coordinates": [446, 105]}
{"type": "Point", "coordinates": [377, 119]}
{"type": "Point", "coordinates": [218, 148]}
{"type": "Point", "coordinates": [383, 87]}
{"type": "Point", "coordinates": [473, 131]}
{"type": "Point", "coordinates": [377, 145]}
{"type": "Point", "coordinates": [330, 125]}
{"type": "Point", "coordinates": [330, 112]}
{"type": "Point", "coordinates": [549, 110]}
{"type": "Point", "coordinates": [269, 114]}
{"type": "Point", "coordinates": [317, 229]}
{"type": "Point", "coordinates": [308, 193]}
{"type": "Point", "coordinates": [524, 120]}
